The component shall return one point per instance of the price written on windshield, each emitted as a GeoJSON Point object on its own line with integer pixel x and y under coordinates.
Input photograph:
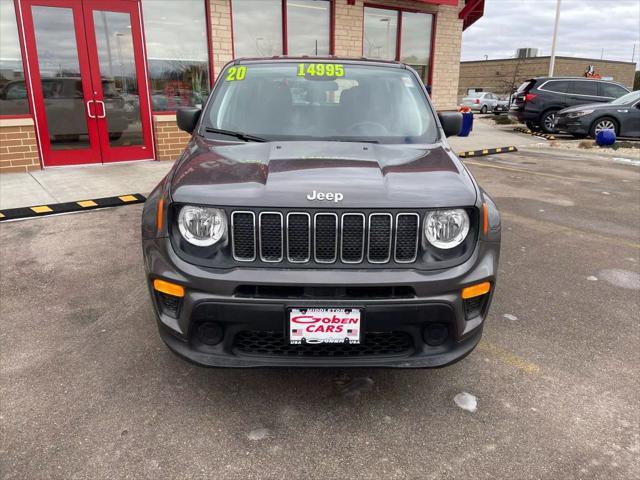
{"type": "Point", "coordinates": [320, 70]}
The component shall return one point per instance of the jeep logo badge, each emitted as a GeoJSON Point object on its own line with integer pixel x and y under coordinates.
{"type": "Point", "coordinates": [328, 196]}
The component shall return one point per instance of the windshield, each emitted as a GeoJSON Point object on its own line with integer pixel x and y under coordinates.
{"type": "Point", "coordinates": [628, 98]}
{"type": "Point", "coordinates": [322, 101]}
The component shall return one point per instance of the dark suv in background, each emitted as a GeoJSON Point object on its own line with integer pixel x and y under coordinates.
{"type": "Point", "coordinates": [537, 100]}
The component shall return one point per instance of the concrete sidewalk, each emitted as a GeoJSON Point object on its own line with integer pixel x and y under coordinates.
{"type": "Point", "coordinates": [68, 184]}
{"type": "Point", "coordinates": [486, 134]}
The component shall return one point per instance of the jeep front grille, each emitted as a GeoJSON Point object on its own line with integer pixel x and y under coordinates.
{"type": "Point", "coordinates": [325, 237]}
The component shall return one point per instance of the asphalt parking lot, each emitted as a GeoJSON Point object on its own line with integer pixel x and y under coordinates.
{"type": "Point", "coordinates": [88, 390]}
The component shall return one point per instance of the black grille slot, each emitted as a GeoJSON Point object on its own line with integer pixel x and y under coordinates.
{"type": "Point", "coordinates": [271, 237]}
{"type": "Point", "coordinates": [352, 238]}
{"type": "Point", "coordinates": [274, 343]}
{"type": "Point", "coordinates": [406, 237]}
{"type": "Point", "coordinates": [379, 237]}
{"type": "Point", "coordinates": [244, 238]}
{"type": "Point", "coordinates": [300, 291]}
{"type": "Point", "coordinates": [326, 237]}
{"type": "Point", "coordinates": [298, 237]}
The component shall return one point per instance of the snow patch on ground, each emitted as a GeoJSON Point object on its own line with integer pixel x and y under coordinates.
{"type": "Point", "coordinates": [466, 401]}
{"type": "Point", "coordinates": [592, 278]}
{"type": "Point", "coordinates": [508, 316]}
{"type": "Point", "coordinates": [258, 434]}
{"type": "Point", "coordinates": [621, 278]}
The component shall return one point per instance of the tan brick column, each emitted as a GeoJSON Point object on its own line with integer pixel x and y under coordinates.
{"type": "Point", "coordinates": [446, 61]}
{"type": "Point", "coordinates": [18, 146]}
{"type": "Point", "coordinates": [221, 40]}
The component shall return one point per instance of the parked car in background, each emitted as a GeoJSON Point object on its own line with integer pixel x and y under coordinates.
{"type": "Point", "coordinates": [621, 115]}
{"type": "Point", "coordinates": [537, 100]}
{"type": "Point", "coordinates": [501, 107]}
{"type": "Point", "coordinates": [481, 101]}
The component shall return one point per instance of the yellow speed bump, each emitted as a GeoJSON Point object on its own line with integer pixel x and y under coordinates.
{"type": "Point", "coordinates": [169, 288]}
{"type": "Point", "coordinates": [87, 203]}
{"type": "Point", "coordinates": [41, 209]}
{"type": "Point", "coordinates": [476, 290]}
{"type": "Point", "coordinates": [128, 198]}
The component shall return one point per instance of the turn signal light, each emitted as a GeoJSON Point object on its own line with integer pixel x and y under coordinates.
{"type": "Point", "coordinates": [160, 215]}
{"type": "Point", "coordinates": [169, 288]}
{"type": "Point", "coordinates": [476, 290]}
{"type": "Point", "coordinates": [485, 218]}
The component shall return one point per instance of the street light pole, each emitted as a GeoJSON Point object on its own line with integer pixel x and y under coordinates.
{"type": "Point", "coordinates": [552, 60]}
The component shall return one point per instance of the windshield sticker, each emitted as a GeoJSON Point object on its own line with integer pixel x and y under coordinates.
{"type": "Point", "coordinates": [319, 70]}
{"type": "Point", "coordinates": [236, 73]}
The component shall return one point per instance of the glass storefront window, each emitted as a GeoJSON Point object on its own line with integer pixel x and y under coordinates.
{"type": "Point", "coordinates": [13, 91]}
{"type": "Point", "coordinates": [308, 27]}
{"type": "Point", "coordinates": [380, 33]}
{"type": "Point", "coordinates": [177, 53]}
{"type": "Point", "coordinates": [257, 28]}
{"type": "Point", "coordinates": [415, 46]}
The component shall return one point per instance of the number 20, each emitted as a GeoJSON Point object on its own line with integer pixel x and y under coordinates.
{"type": "Point", "coordinates": [236, 73]}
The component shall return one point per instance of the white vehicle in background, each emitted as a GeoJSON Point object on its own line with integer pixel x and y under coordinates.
{"type": "Point", "coordinates": [481, 101]}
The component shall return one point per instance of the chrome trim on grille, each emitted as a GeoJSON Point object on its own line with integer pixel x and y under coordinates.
{"type": "Point", "coordinates": [308, 257]}
{"type": "Point", "coordinates": [315, 235]}
{"type": "Point", "coordinates": [364, 219]}
{"type": "Point", "coordinates": [395, 251]}
{"type": "Point", "coordinates": [233, 245]}
{"type": "Point", "coordinates": [390, 237]}
{"type": "Point", "coordinates": [312, 237]}
{"type": "Point", "coordinates": [275, 260]}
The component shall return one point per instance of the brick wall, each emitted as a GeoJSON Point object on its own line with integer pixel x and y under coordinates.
{"type": "Point", "coordinates": [446, 62]}
{"type": "Point", "coordinates": [497, 75]}
{"type": "Point", "coordinates": [446, 57]}
{"type": "Point", "coordinates": [170, 140]}
{"type": "Point", "coordinates": [222, 43]}
{"type": "Point", "coordinates": [18, 147]}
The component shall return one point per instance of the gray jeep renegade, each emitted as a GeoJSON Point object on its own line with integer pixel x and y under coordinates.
{"type": "Point", "coordinates": [318, 217]}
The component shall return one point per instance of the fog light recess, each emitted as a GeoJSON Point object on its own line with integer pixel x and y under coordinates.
{"type": "Point", "coordinates": [435, 334]}
{"type": "Point", "coordinates": [209, 333]}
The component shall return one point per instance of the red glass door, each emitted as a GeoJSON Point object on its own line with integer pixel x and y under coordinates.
{"type": "Point", "coordinates": [118, 75]}
{"type": "Point", "coordinates": [88, 76]}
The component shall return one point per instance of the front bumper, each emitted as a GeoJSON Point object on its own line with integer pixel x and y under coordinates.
{"type": "Point", "coordinates": [212, 295]}
{"type": "Point", "coordinates": [572, 125]}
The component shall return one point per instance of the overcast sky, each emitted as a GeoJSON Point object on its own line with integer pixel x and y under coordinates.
{"type": "Point", "coordinates": [586, 27]}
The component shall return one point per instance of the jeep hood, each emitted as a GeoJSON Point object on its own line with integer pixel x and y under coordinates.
{"type": "Point", "coordinates": [283, 174]}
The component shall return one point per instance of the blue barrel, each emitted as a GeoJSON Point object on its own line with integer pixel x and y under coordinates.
{"type": "Point", "coordinates": [467, 124]}
{"type": "Point", "coordinates": [605, 138]}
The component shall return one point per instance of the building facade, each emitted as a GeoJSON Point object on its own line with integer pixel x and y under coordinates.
{"type": "Point", "coordinates": [501, 76]}
{"type": "Point", "coordinates": [98, 81]}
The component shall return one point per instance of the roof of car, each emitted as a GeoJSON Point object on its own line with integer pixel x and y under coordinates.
{"type": "Point", "coordinates": [328, 58]}
{"type": "Point", "coordinates": [575, 78]}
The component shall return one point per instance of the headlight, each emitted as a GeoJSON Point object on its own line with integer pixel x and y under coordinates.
{"type": "Point", "coordinates": [446, 228]}
{"type": "Point", "coordinates": [202, 226]}
{"type": "Point", "coordinates": [581, 113]}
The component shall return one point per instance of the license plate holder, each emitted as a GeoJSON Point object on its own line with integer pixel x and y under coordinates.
{"type": "Point", "coordinates": [318, 325]}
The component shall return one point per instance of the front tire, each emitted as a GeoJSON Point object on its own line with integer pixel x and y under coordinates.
{"type": "Point", "coordinates": [604, 123]}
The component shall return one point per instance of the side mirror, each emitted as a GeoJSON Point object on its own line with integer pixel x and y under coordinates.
{"type": "Point", "coordinates": [188, 118]}
{"type": "Point", "coordinates": [451, 123]}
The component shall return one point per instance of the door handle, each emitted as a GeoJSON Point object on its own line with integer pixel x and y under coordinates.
{"type": "Point", "coordinates": [89, 114]}
{"type": "Point", "coordinates": [104, 110]}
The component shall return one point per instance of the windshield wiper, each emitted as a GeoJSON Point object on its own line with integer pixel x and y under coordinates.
{"type": "Point", "coordinates": [241, 135]}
